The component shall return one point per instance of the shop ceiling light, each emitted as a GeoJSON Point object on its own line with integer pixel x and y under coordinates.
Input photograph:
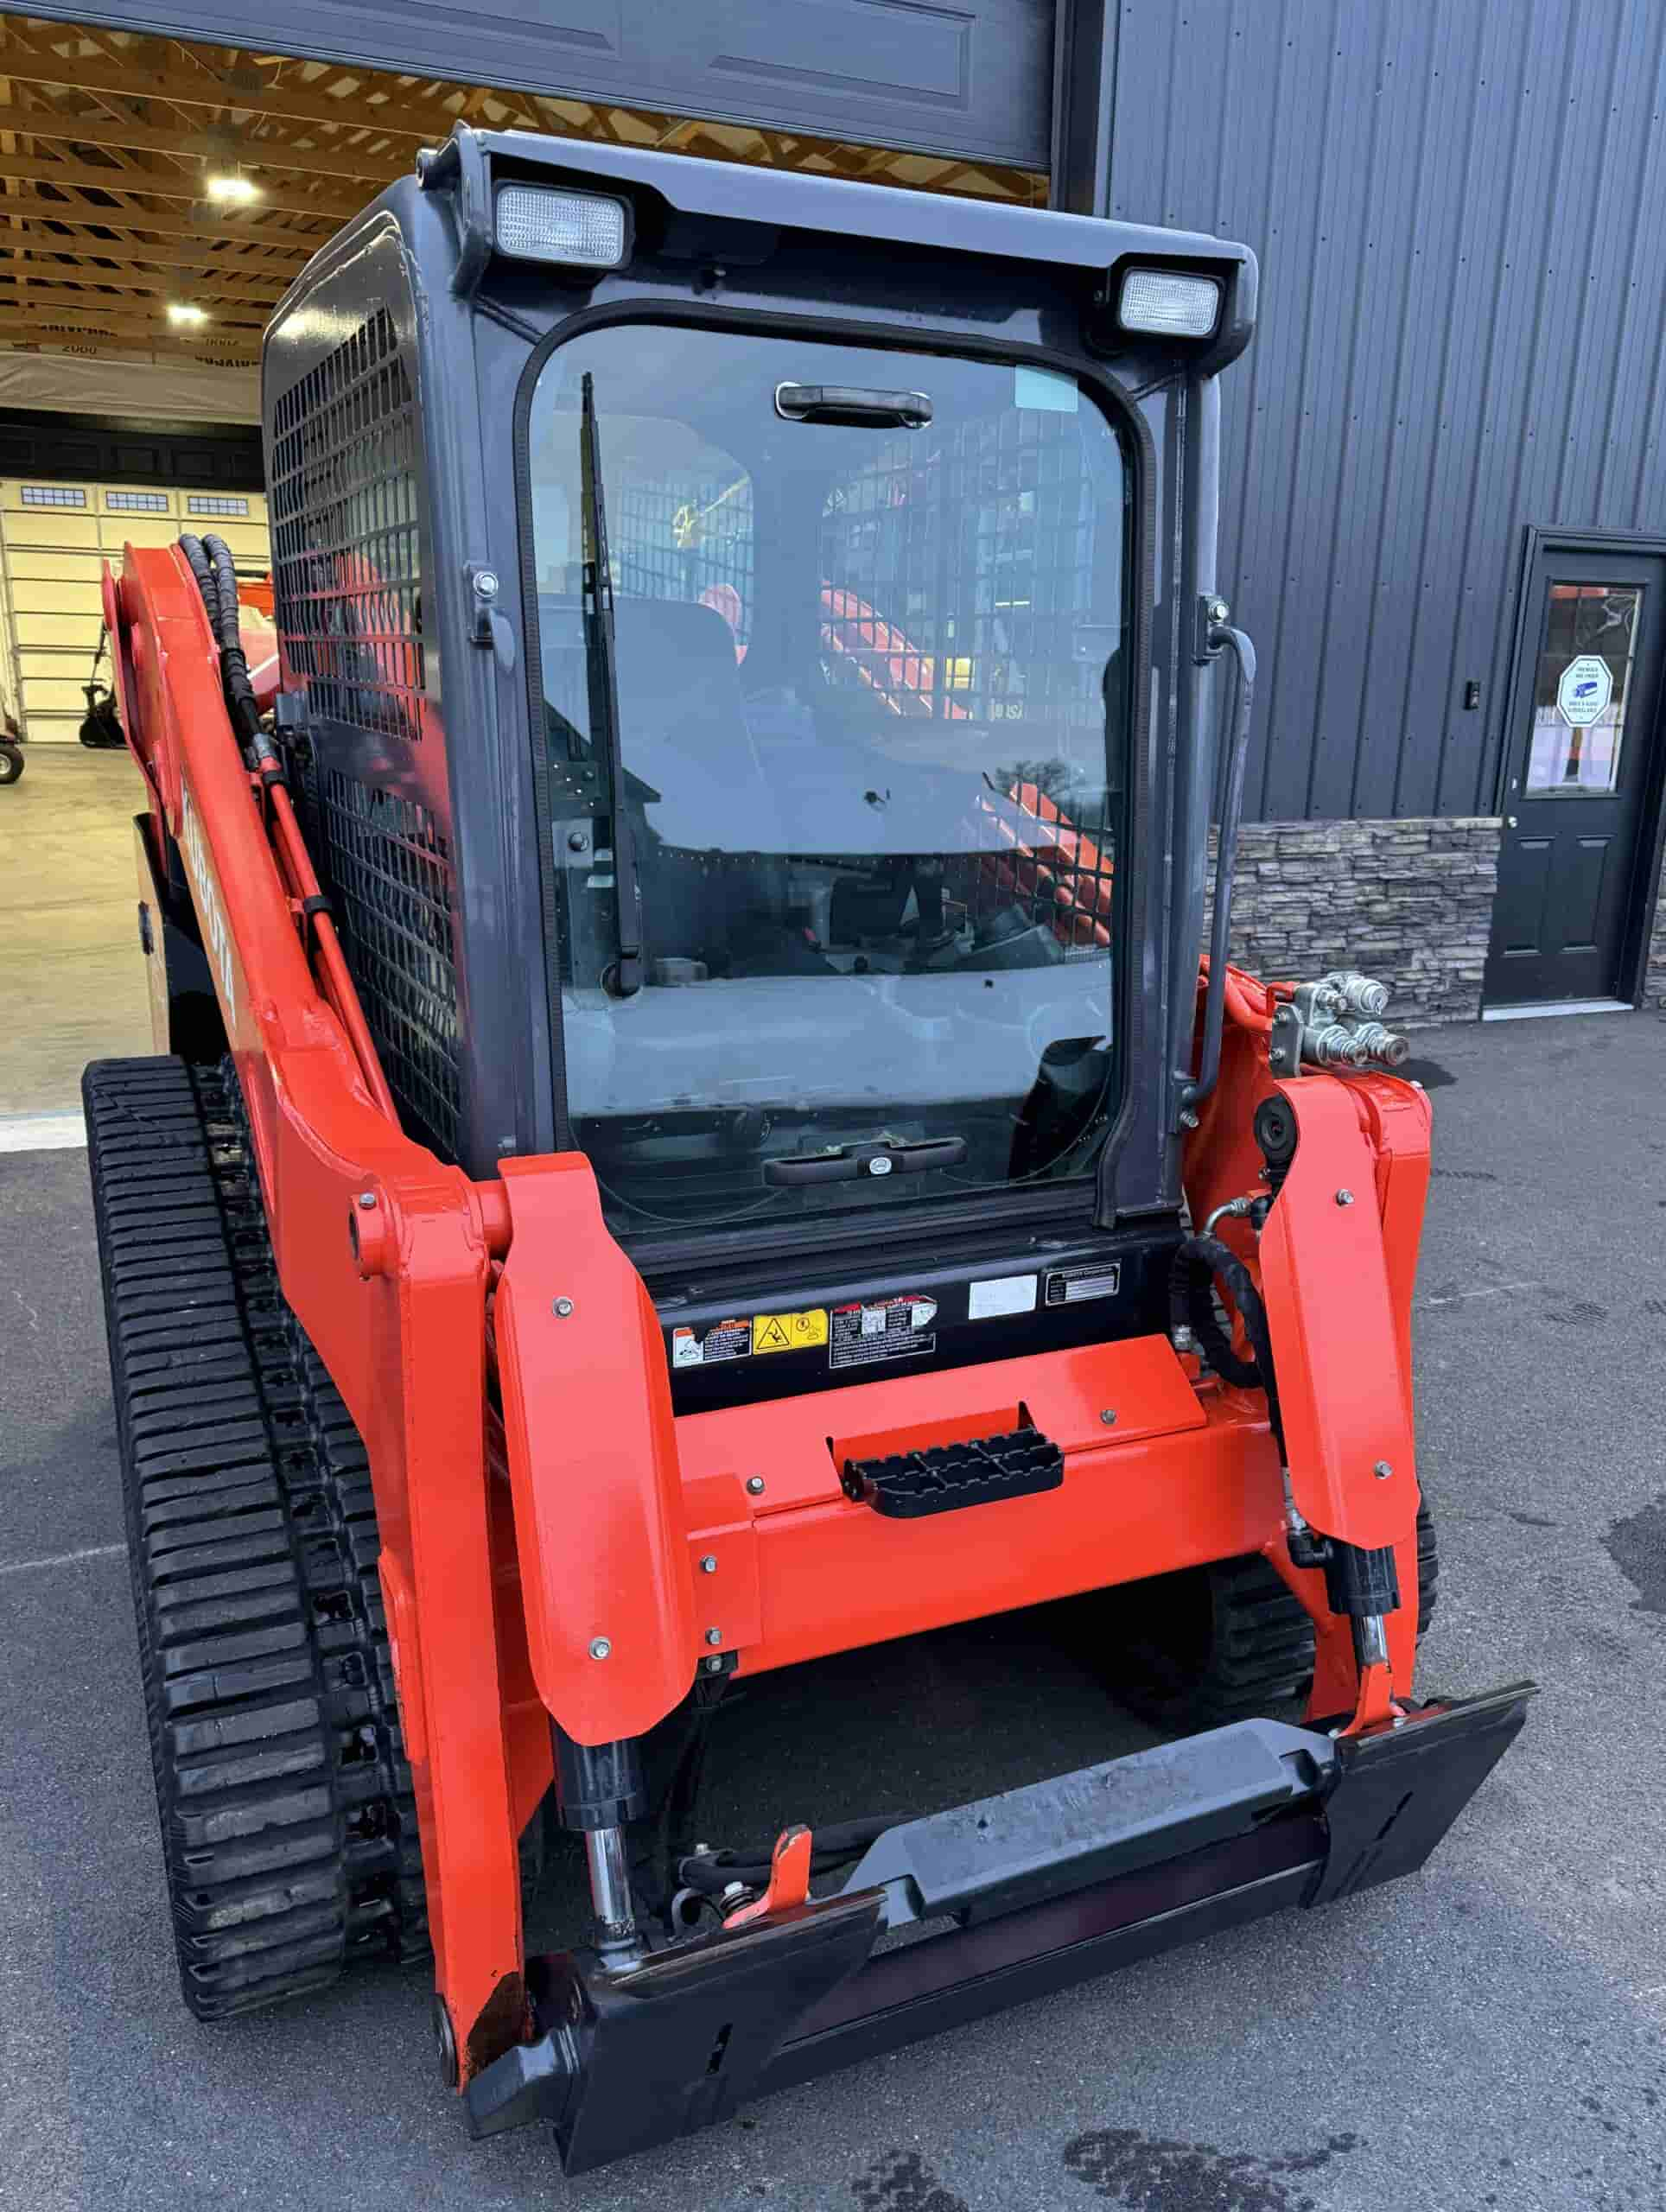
{"type": "Point", "coordinates": [233, 191]}
{"type": "Point", "coordinates": [1169, 304]}
{"type": "Point", "coordinates": [579, 230]}
{"type": "Point", "coordinates": [181, 313]}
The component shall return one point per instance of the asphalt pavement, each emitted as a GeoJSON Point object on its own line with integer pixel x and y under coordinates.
{"type": "Point", "coordinates": [1490, 2032]}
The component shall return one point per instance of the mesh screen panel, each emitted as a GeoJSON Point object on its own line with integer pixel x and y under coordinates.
{"type": "Point", "coordinates": [389, 873]}
{"type": "Point", "coordinates": [687, 537]}
{"type": "Point", "coordinates": [347, 568]}
{"type": "Point", "coordinates": [342, 506]}
{"type": "Point", "coordinates": [958, 583]}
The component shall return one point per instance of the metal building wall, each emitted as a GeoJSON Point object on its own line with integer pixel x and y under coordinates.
{"type": "Point", "coordinates": [1459, 209]}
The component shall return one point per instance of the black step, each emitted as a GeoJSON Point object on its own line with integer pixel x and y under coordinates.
{"type": "Point", "coordinates": [946, 1478]}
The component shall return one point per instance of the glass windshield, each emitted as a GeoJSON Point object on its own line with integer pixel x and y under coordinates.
{"type": "Point", "coordinates": [871, 654]}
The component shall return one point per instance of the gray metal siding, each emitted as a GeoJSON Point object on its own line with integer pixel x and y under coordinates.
{"type": "Point", "coordinates": [1457, 212]}
{"type": "Point", "coordinates": [973, 80]}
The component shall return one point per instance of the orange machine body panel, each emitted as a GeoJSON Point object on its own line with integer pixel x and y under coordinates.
{"type": "Point", "coordinates": [1345, 1375]}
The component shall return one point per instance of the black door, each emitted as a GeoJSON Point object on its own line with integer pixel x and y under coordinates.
{"type": "Point", "coordinates": [1582, 723]}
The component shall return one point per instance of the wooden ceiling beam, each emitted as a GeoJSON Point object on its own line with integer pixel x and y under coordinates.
{"type": "Point", "coordinates": [94, 308]}
{"type": "Point", "coordinates": [84, 246]}
{"type": "Point", "coordinates": [164, 184]}
{"type": "Point", "coordinates": [241, 231]}
{"type": "Point", "coordinates": [74, 281]}
{"type": "Point", "coordinates": [23, 263]}
{"type": "Point", "coordinates": [22, 331]}
{"type": "Point", "coordinates": [45, 315]}
{"type": "Point", "coordinates": [52, 125]}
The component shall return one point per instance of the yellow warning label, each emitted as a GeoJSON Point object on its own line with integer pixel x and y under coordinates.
{"type": "Point", "coordinates": [789, 1331]}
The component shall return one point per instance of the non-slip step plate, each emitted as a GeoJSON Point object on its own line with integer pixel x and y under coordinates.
{"type": "Point", "coordinates": [946, 1478]}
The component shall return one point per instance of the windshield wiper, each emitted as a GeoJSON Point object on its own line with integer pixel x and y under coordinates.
{"type": "Point", "coordinates": [622, 978]}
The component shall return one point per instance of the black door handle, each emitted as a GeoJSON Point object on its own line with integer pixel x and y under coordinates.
{"type": "Point", "coordinates": [844, 1163]}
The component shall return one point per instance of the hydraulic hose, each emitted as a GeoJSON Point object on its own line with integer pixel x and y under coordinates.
{"type": "Point", "coordinates": [211, 564]}
{"type": "Point", "coordinates": [1195, 1265]}
{"type": "Point", "coordinates": [202, 569]}
{"type": "Point", "coordinates": [216, 574]}
{"type": "Point", "coordinates": [835, 1845]}
{"type": "Point", "coordinates": [233, 664]}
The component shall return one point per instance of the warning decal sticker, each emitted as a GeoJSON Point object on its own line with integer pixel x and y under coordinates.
{"type": "Point", "coordinates": [703, 1347]}
{"type": "Point", "coordinates": [884, 1328]}
{"type": "Point", "coordinates": [789, 1331]}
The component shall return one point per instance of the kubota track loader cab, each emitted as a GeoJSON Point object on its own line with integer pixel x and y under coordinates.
{"type": "Point", "coordinates": [689, 1136]}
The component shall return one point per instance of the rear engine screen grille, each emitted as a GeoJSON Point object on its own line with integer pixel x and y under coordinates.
{"type": "Point", "coordinates": [345, 540]}
{"type": "Point", "coordinates": [390, 872]}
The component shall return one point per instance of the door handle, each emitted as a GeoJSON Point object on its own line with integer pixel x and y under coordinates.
{"type": "Point", "coordinates": [844, 1163]}
{"type": "Point", "coordinates": [1510, 821]}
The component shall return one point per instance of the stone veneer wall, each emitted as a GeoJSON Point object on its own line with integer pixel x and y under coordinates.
{"type": "Point", "coordinates": [1411, 902]}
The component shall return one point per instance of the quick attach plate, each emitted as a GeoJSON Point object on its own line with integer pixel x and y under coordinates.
{"type": "Point", "coordinates": [1048, 1884]}
{"type": "Point", "coordinates": [1399, 1790]}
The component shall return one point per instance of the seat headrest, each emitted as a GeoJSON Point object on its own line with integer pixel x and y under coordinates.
{"type": "Point", "coordinates": [683, 720]}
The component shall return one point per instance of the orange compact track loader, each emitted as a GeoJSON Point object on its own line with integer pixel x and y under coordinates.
{"type": "Point", "coordinates": [695, 1129]}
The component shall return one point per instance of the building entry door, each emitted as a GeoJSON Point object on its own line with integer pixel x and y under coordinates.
{"type": "Point", "coordinates": [1584, 724]}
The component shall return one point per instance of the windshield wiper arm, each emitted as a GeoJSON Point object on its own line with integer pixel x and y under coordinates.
{"type": "Point", "coordinates": [623, 977]}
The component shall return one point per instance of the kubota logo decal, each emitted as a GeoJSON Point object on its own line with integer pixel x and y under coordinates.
{"type": "Point", "coordinates": [216, 932]}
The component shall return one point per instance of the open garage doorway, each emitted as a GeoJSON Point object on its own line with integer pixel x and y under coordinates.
{"type": "Point", "coordinates": [158, 195]}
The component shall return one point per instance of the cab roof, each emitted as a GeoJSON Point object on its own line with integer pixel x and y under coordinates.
{"type": "Point", "coordinates": [791, 199]}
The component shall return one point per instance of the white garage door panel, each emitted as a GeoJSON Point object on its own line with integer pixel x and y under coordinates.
{"type": "Point", "coordinates": [118, 531]}
{"type": "Point", "coordinates": [250, 547]}
{"type": "Point", "coordinates": [51, 526]}
{"type": "Point", "coordinates": [61, 630]}
{"type": "Point", "coordinates": [35, 565]}
{"type": "Point", "coordinates": [69, 666]}
{"type": "Point", "coordinates": [74, 595]}
{"type": "Point", "coordinates": [51, 560]}
{"type": "Point", "coordinates": [61, 695]}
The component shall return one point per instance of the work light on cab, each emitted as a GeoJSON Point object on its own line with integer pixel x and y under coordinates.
{"type": "Point", "coordinates": [1169, 304]}
{"type": "Point", "coordinates": [579, 230]}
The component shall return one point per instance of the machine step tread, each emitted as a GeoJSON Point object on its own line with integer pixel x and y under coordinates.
{"type": "Point", "coordinates": [284, 1796]}
{"type": "Point", "coordinates": [949, 1478]}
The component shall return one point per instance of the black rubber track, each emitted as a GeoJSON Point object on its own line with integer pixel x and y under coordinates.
{"type": "Point", "coordinates": [1229, 1642]}
{"type": "Point", "coordinates": [288, 1825]}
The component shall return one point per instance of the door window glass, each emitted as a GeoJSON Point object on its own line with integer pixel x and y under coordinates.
{"type": "Point", "coordinates": [1586, 655]}
{"type": "Point", "coordinates": [872, 678]}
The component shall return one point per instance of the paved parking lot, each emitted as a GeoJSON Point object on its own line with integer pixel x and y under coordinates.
{"type": "Point", "coordinates": [1489, 2033]}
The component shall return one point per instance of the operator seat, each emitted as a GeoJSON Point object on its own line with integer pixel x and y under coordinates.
{"type": "Point", "coordinates": [711, 851]}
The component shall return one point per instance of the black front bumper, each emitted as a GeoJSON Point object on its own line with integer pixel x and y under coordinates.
{"type": "Point", "coordinates": [1038, 1888]}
